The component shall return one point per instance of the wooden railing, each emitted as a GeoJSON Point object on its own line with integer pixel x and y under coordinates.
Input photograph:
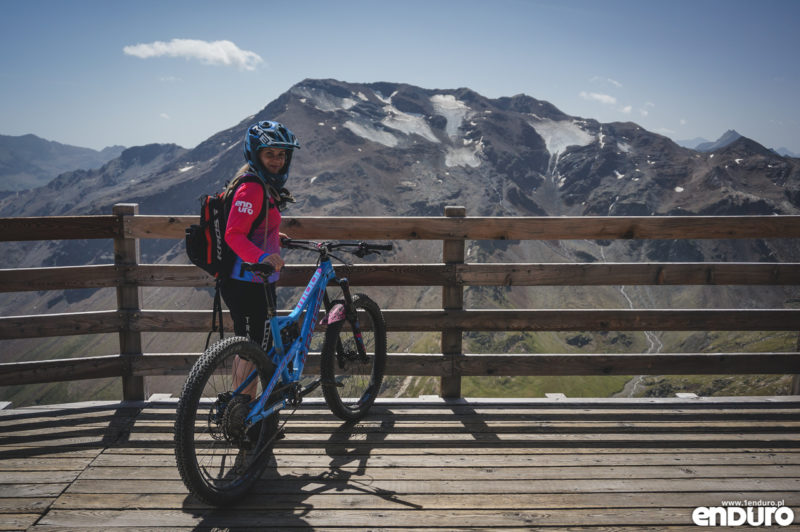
{"type": "Point", "coordinates": [126, 227]}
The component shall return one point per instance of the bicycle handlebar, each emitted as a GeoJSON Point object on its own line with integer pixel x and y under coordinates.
{"type": "Point", "coordinates": [361, 249]}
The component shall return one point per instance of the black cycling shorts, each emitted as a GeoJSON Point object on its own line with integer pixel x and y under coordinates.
{"type": "Point", "coordinates": [248, 305]}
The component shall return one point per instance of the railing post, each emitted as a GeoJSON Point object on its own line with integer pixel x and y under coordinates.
{"type": "Point", "coordinates": [129, 297]}
{"type": "Point", "coordinates": [452, 299]}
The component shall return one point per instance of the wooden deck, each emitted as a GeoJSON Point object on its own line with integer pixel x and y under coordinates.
{"type": "Point", "coordinates": [418, 464]}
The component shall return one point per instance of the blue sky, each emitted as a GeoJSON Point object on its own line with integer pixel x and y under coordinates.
{"type": "Point", "coordinates": [96, 73]}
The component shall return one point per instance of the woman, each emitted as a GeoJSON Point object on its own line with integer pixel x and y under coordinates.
{"type": "Point", "coordinates": [252, 233]}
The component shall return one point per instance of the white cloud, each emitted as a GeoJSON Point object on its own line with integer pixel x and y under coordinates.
{"type": "Point", "coordinates": [602, 98]}
{"type": "Point", "coordinates": [627, 109]}
{"type": "Point", "coordinates": [599, 79]}
{"type": "Point", "coordinates": [165, 116]}
{"type": "Point", "coordinates": [223, 53]}
{"type": "Point", "coordinates": [683, 121]}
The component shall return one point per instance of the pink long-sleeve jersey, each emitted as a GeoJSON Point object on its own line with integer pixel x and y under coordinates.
{"type": "Point", "coordinates": [264, 239]}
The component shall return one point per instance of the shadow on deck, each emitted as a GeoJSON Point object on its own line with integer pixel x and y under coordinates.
{"type": "Point", "coordinates": [602, 464]}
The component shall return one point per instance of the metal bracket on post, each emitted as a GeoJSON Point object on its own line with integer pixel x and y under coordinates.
{"type": "Point", "coordinates": [129, 296]}
{"type": "Point", "coordinates": [452, 299]}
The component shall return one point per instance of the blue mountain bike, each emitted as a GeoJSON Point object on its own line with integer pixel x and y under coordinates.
{"type": "Point", "coordinates": [227, 425]}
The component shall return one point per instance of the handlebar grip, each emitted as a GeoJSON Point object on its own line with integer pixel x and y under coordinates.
{"type": "Point", "coordinates": [258, 267]}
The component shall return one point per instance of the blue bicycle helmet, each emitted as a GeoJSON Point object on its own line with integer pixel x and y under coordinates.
{"type": "Point", "coordinates": [268, 134]}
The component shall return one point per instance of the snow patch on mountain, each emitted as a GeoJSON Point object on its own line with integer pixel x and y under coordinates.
{"type": "Point", "coordinates": [454, 111]}
{"type": "Point", "coordinates": [407, 123]}
{"type": "Point", "coordinates": [371, 133]}
{"type": "Point", "coordinates": [559, 135]}
{"type": "Point", "coordinates": [324, 101]}
{"type": "Point", "coordinates": [467, 156]}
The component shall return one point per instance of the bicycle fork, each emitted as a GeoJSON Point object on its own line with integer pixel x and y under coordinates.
{"type": "Point", "coordinates": [351, 314]}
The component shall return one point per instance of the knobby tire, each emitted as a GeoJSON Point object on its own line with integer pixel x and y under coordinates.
{"type": "Point", "coordinates": [216, 462]}
{"type": "Point", "coordinates": [350, 385]}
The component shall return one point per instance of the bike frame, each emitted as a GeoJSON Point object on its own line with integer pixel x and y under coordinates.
{"type": "Point", "coordinates": [282, 355]}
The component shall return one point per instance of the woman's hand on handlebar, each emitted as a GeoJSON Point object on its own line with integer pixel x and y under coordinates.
{"type": "Point", "coordinates": [274, 260]}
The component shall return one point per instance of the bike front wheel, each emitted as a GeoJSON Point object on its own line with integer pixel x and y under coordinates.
{"type": "Point", "coordinates": [218, 457]}
{"type": "Point", "coordinates": [351, 381]}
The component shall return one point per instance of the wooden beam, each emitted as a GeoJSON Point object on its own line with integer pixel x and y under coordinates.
{"type": "Point", "coordinates": [629, 364]}
{"type": "Point", "coordinates": [609, 274]}
{"type": "Point", "coordinates": [545, 228]}
{"type": "Point", "coordinates": [60, 278]}
{"type": "Point", "coordinates": [57, 228]}
{"type": "Point", "coordinates": [417, 364]}
{"type": "Point", "coordinates": [507, 274]}
{"type": "Point", "coordinates": [595, 320]}
{"type": "Point", "coordinates": [129, 296]}
{"type": "Point", "coordinates": [61, 370]}
{"type": "Point", "coordinates": [45, 325]}
{"type": "Point", "coordinates": [452, 300]}
{"type": "Point", "coordinates": [499, 228]}
{"type": "Point", "coordinates": [74, 323]}
{"type": "Point", "coordinates": [428, 364]}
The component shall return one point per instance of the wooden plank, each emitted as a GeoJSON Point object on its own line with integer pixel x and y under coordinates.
{"type": "Point", "coordinates": [61, 370]}
{"type": "Point", "coordinates": [147, 226]}
{"type": "Point", "coordinates": [507, 274]}
{"type": "Point", "coordinates": [298, 484]}
{"type": "Point", "coordinates": [352, 519]}
{"type": "Point", "coordinates": [31, 490]}
{"type": "Point", "coordinates": [424, 320]}
{"type": "Point", "coordinates": [13, 505]}
{"type": "Point", "coordinates": [299, 275]}
{"type": "Point", "coordinates": [472, 474]}
{"type": "Point", "coordinates": [597, 274]}
{"type": "Point", "coordinates": [397, 364]}
{"type": "Point", "coordinates": [628, 364]}
{"type": "Point", "coordinates": [485, 320]}
{"type": "Point", "coordinates": [594, 320]}
{"type": "Point", "coordinates": [58, 228]}
{"type": "Point", "coordinates": [59, 278]}
{"type": "Point", "coordinates": [500, 228]}
{"type": "Point", "coordinates": [491, 458]}
{"type": "Point", "coordinates": [68, 324]}
{"type": "Point", "coordinates": [510, 501]}
{"type": "Point", "coordinates": [423, 364]}
{"type": "Point", "coordinates": [20, 521]}
{"type": "Point", "coordinates": [544, 228]}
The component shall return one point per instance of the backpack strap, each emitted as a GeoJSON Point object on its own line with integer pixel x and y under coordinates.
{"type": "Point", "coordinates": [216, 312]}
{"type": "Point", "coordinates": [241, 180]}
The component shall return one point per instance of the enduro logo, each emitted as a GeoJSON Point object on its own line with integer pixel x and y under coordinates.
{"type": "Point", "coordinates": [751, 513]}
{"type": "Point", "coordinates": [244, 207]}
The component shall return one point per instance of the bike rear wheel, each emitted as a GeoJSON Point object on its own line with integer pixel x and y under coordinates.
{"type": "Point", "coordinates": [218, 459]}
{"type": "Point", "coordinates": [350, 382]}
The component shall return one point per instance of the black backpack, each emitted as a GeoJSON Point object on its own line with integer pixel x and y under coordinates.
{"type": "Point", "coordinates": [205, 243]}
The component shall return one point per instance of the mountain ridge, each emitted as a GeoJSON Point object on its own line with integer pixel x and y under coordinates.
{"type": "Point", "coordinates": [393, 149]}
{"type": "Point", "coordinates": [28, 161]}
